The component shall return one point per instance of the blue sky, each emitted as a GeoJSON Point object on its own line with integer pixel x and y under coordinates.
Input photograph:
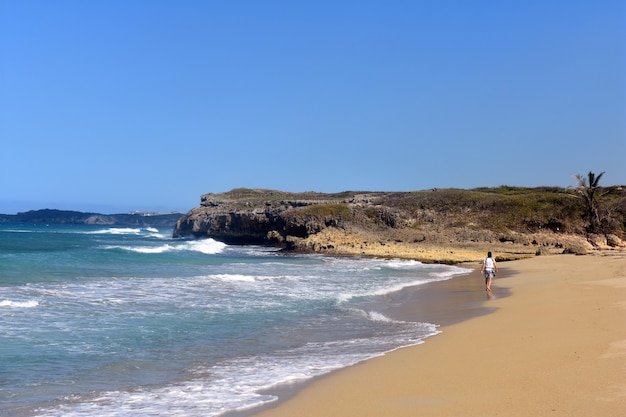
{"type": "Point", "coordinates": [113, 106]}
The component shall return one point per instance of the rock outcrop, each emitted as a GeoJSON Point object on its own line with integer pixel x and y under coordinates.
{"type": "Point", "coordinates": [257, 217]}
{"type": "Point", "coordinates": [446, 226]}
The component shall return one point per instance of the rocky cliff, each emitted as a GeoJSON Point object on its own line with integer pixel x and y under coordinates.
{"type": "Point", "coordinates": [435, 226]}
{"type": "Point", "coordinates": [263, 217]}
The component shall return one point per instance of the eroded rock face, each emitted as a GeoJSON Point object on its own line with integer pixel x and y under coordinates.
{"type": "Point", "coordinates": [232, 227]}
{"type": "Point", "coordinates": [253, 220]}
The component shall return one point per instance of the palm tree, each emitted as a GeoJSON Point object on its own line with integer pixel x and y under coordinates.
{"type": "Point", "coordinates": [587, 188]}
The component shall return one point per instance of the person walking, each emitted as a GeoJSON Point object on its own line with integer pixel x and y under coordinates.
{"type": "Point", "coordinates": [489, 269]}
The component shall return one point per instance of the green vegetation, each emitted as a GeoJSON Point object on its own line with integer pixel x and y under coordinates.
{"type": "Point", "coordinates": [325, 210]}
{"type": "Point", "coordinates": [261, 194]}
{"type": "Point", "coordinates": [589, 192]}
{"type": "Point", "coordinates": [510, 208]}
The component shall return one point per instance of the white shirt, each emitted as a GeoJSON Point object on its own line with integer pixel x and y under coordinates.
{"type": "Point", "coordinates": [489, 263]}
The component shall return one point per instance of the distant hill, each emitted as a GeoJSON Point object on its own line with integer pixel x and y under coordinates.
{"type": "Point", "coordinates": [52, 216]}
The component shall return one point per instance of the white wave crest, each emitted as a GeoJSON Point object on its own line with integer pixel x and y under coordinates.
{"type": "Point", "coordinates": [402, 264]}
{"type": "Point", "coordinates": [374, 316]}
{"type": "Point", "coordinates": [345, 297]}
{"type": "Point", "coordinates": [233, 278]}
{"type": "Point", "coordinates": [148, 231]}
{"type": "Point", "coordinates": [155, 233]}
{"type": "Point", "coordinates": [208, 246]}
{"type": "Point", "coordinates": [116, 231]}
{"type": "Point", "coordinates": [148, 249]}
{"type": "Point", "coordinates": [239, 278]}
{"type": "Point", "coordinates": [19, 304]}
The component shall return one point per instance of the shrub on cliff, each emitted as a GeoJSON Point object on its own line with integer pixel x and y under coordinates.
{"type": "Point", "coordinates": [497, 209]}
{"type": "Point", "coordinates": [325, 210]}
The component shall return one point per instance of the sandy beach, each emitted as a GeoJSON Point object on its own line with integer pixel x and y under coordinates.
{"type": "Point", "coordinates": [556, 345]}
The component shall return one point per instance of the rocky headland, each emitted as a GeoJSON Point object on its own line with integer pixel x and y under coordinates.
{"type": "Point", "coordinates": [53, 216]}
{"type": "Point", "coordinates": [436, 226]}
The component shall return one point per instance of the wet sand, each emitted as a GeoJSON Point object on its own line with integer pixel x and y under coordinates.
{"type": "Point", "coordinates": [556, 346]}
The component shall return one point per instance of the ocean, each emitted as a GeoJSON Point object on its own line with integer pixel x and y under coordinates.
{"type": "Point", "coordinates": [113, 321]}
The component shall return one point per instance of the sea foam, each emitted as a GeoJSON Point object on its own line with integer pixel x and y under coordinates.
{"type": "Point", "coordinates": [19, 304]}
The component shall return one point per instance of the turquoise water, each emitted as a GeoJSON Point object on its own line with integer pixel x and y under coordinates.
{"type": "Point", "coordinates": [126, 321]}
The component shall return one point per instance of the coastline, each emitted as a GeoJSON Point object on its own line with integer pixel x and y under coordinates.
{"type": "Point", "coordinates": [554, 347]}
{"type": "Point", "coordinates": [440, 302]}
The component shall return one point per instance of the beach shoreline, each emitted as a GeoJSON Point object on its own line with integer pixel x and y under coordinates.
{"type": "Point", "coordinates": [440, 302]}
{"type": "Point", "coordinates": [556, 346]}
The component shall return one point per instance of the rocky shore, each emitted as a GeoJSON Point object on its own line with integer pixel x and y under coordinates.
{"type": "Point", "coordinates": [435, 226]}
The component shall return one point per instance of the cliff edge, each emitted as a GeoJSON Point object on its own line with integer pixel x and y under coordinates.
{"type": "Point", "coordinates": [439, 225]}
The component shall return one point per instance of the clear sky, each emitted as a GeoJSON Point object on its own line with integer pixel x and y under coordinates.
{"type": "Point", "coordinates": [118, 105]}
